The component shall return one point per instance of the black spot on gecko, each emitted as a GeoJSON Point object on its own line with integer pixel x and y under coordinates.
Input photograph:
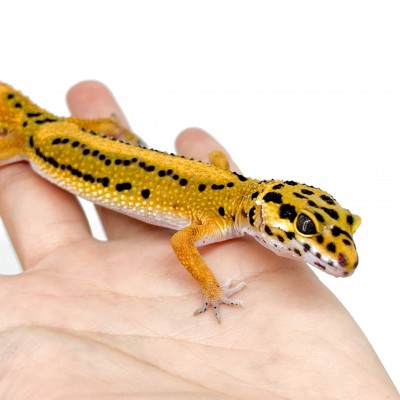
{"type": "Point", "coordinates": [327, 199]}
{"type": "Point", "coordinates": [350, 219]}
{"type": "Point", "coordinates": [17, 105]}
{"type": "Point", "coordinates": [105, 181]}
{"type": "Point", "coordinates": [267, 230]}
{"type": "Point", "coordinates": [254, 195]}
{"type": "Point", "coordinates": [312, 204]}
{"type": "Point", "coordinates": [102, 157]}
{"type": "Point", "coordinates": [75, 144]}
{"type": "Point", "coordinates": [306, 247]}
{"type": "Point", "coordinates": [123, 186]}
{"type": "Point", "coordinates": [127, 163]}
{"type": "Point", "coordinates": [251, 215]}
{"type": "Point", "coordinates": [241, 177]}
{"type": "Point", "coordinates": [346, 242]}
{"type": "Point", "coordinates": [280, 238]}
{"type": "Point", "coordinates": [319, 217]}
{"type": "Point", "coordinates": [76, 172]}
{"type": "Point", "coordinates": [278, 186]}
{"type": "Point", "coordinates": [45, 121]}
{"type": "Point", "coordinates": [95, 153]}
{"type": "Point", "coordinates": [201, 187]}
{"type": "Point", "coordinates": [320, 239]}
{"type": "Point", "coordinates": [336, 231]}
{"type": "Point", "coordinates": [134, 159]}
{"type": "Point", "coordinates": [290, 235]}
{"type": "Point", "coordinates": [25, 124]}
{"type": "Point", "coordinates": [65, 141]}
{"type": "Point", "coordinates": [291, 183]}
{"type": "Point", "coordinates": [88, 178]}
{"type": "Point", "coordinates": [117, 161]}
{"type": "Point", "coordinates": [273, 197]}
{"type": "Point", "coordinates": [31, 142]}
{"type": "Point", "coordinates": [221, 211]}
{"type": "Point", "coordinates": [175, 177]}
{"type": "Point", "coordinates": [331, 247]}
{"type": "Point", "coordinates": [33, 115]}
{"type": "Point", "coordinates": [306, 191]}
{"type": "Point", "coordinates": [230, 184]}
{"type": "Point", "coordinates": [217, 187]}
{"type": "Point", "coordinates": [287, 211]}
{"type": "Point", "coordinates": [332, 213]}
{"type": "Point", "coordinates": [10, 96]}
{"type": "Point", "coordinates": [299, 196]}
{"type": "Point", "coordinates": [53, 162]}
{"type": "Point", "coordinates": [145, 193]}
{"type": "Point", "coordinates": [161, 173]}
{"type": "Point", "coordinates": [183, 182]}
{"type": "Point", "coordinates": [86, 152]}
{"type": "Point", "coordinates": [56, 141]}
{"type": "Point", "coordinates": [107, 162]}
{"type": "Point", "coordinates": [320, 265]}
{"type": "Point", "coordinates": [297, 251]}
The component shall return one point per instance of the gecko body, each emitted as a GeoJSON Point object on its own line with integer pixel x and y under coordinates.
{"type": "Point", "coordinates": [101, 161]}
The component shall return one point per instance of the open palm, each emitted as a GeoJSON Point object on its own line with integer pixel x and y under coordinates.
{"type": "Point", "coordinates": [112, 320]}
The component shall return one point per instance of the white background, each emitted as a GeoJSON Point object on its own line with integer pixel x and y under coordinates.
{"type": "Point", "coordinates": [302, 90]}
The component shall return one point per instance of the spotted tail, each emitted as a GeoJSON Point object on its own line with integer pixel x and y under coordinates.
{"type": "Point", "coordinates": [12, 146]}
{"type": "Point", "coordinates": [21, 121]}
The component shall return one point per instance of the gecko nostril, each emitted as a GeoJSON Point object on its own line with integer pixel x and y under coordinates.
{"type": "Point", "coordinates": [3, 132]}
{"type": "Point", "coordinates": [342, 260]}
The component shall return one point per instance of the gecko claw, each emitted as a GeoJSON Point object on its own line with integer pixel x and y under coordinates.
{"type": "Point", "coordinates": [227, 291]}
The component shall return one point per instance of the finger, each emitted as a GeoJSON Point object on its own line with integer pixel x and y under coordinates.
{"type": "Point", "coordinates": [91, 100]}
{"type": "Point", "coordinates": [38, 216]}
{"type": "Point", "coordinates": [196, 143]}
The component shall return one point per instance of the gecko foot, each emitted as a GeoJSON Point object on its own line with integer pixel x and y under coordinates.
{"type": "Point", "coordinates": [227, 291]}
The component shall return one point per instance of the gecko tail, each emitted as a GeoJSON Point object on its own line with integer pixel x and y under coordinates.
{"type": "Point", "coordinates": [21, 120]}
{"type": "Point", "coordinates": [12, 147]}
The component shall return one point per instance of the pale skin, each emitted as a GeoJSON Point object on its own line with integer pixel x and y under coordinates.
{"type": "Point", "coordinates": [112, 320]}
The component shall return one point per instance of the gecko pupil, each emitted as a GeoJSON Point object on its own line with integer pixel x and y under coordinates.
{"type": "Point", "coordinates": [305, 225]}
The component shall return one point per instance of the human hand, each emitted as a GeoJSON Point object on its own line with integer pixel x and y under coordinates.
{"type": "Point", "coordinates": [89, 319]}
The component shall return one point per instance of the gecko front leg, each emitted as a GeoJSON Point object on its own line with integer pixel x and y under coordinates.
{"type": "Point", "coordinates": [184, 245]}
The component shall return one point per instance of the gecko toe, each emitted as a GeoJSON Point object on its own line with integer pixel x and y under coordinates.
{"type": "Point", "coordinates": [227, 291]}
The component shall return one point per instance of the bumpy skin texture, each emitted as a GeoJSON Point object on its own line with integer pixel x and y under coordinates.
{"type": "Point", "coordinates": [101, 161]}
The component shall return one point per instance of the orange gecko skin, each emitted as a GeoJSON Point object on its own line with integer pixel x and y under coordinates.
{"type": "Point", "coordinates": [107, 164]}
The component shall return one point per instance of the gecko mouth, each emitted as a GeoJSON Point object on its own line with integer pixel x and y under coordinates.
{"type": "Point", "coordinates": [334, 267]}
{"type": "Point", "coordinates": [331, 269]}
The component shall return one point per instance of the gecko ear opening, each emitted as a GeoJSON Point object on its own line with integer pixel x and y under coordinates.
{"type": "Point", "coordinates": [356, 222]}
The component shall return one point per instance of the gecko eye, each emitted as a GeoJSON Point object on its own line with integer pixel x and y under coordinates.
{"type": "Point", "coordinates": [305, 225]}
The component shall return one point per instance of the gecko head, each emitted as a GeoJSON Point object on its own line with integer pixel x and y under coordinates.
{"type": "Point", "coordinates": [297, 220]}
